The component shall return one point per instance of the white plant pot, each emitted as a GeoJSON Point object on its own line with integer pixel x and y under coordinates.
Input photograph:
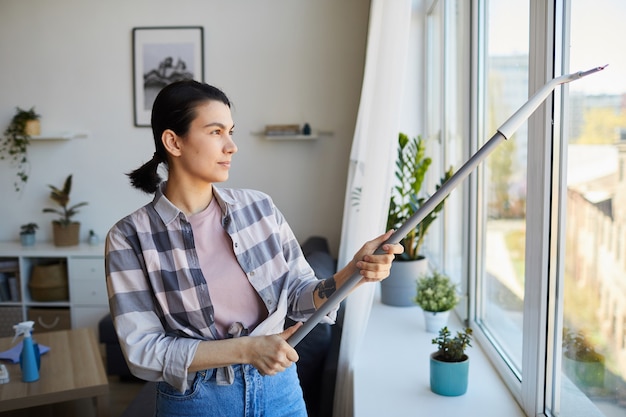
{"type": "Point", "coordinates": [435, 321]}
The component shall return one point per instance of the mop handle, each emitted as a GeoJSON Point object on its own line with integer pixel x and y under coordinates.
{"type": "Point", "coordinates": [505, 131]}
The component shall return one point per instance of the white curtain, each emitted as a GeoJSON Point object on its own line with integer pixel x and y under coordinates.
{"type": "Point", "coordinates": [372, 162]}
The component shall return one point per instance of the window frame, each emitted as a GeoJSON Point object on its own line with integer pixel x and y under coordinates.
{"type": "Point", "coordinates": [543, 214]}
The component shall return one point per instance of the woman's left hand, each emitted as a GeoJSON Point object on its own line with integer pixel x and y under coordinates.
{"type": "Point", "coordinates": [376, 267]}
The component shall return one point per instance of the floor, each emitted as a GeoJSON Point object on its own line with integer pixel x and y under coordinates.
{"type": "Point", "coordinates": [121, 393]}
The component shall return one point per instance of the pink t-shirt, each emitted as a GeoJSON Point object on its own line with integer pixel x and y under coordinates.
{"type": "Point", "coordinates": [233, 297]}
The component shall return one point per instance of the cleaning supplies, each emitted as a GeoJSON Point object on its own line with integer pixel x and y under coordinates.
{"type": "Point", "coordinates": [29, 357]}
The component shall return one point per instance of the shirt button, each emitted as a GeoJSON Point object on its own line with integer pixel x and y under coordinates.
{"type": "Point", "coordinates": [251, 273]}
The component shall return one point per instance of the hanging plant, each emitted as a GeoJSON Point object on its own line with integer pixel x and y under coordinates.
{"type": "Point", "coordinates": [14, 146]}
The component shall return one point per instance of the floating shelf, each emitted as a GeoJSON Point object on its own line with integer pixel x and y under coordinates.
{"type": "Point", "coordinates": [59, 136]}
{"type": "Point", "coordinates": [315, 134]}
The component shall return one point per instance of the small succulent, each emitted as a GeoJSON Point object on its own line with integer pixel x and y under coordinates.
{"type": "Point", "coordinates": [452, 349]}
{"type": "Point", "coordinates": [28, 229]}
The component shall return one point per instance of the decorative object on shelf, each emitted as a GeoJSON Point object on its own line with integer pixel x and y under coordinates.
{"type": "Point", "coordinates": [93, 238]}
{"type": "Point", "coordinates": [306, 129]}
{"type": "Point", "coordinates": [436, 295]}
{"type": "Point", "coordinates": [27, 234]}
{"type": "Point", "coordinates": [581, 362]}
{"type": "Point", "coordinates": [48, 282]}
{"type": "Point", "coordinates": [65, 231]}
{"type": "Point", "coordinates": [162, 55]}
{"type": "Point", "coordinates": [17, 136]}
{"type": "Point", "coordinates": [449, 365]}
{"type": "Point", "coordinates": [411, 167]}
{"type": "Point", "coordinates": [282, 130]}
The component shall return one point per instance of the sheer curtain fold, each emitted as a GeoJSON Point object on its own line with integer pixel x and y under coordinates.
{"type": "Point", "coordinates": [370, 176]}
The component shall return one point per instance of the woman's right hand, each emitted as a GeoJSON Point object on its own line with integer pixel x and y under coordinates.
{"type": "Point", "coordinates": [272, 354]}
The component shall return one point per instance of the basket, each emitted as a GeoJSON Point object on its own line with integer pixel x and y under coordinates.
{"type": "Point", "coordinates": [9, 316]}
{"type": "Point", "coordinates": [49, 283]}
{"type": "Point", "coordinates": [50, 319]}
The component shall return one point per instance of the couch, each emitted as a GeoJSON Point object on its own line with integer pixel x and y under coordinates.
{"type": "Point", "coordinates": [318, 351]}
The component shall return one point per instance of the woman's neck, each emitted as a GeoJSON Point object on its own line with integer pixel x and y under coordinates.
{"type": "Point", "coordinates": [189, 198]}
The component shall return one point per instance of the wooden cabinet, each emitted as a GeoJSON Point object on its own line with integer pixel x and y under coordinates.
{"type": "Point", "coordinates": [84, 305]}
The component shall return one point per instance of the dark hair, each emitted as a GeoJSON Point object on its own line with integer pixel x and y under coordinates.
{"type": "Point", "coordinates": [174, 108]}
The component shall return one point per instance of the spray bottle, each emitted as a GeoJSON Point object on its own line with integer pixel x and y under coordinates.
{"type": "Point", "coordinates": [29, 357]}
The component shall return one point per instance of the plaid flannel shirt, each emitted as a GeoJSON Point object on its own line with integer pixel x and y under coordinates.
{"type": "Point", "coordinates": [159, 298]}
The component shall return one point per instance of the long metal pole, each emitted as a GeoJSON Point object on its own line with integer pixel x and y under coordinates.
{"type": "Point", "coordinates": [505, 131]}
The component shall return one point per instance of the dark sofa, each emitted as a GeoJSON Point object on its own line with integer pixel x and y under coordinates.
{"type": "Point", "coordinates": [318, 351]}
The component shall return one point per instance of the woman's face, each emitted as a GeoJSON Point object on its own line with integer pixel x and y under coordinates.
{"type": "Point", "coordinates": [208, 147]}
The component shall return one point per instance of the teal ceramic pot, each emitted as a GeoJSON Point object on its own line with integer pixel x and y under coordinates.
{"type": "Point", "coordinates": [448, 378]}
{"type": "Point", "coordinates": [27, 239]}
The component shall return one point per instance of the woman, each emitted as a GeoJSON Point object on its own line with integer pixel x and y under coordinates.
{"type": "Point", "coordinates": [199, 267]}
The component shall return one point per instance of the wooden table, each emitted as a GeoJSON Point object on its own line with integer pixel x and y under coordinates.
{"type": "Point", "coordinates": [71, 370]}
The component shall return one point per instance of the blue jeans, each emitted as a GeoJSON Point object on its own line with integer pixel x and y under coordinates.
{"type": "Point", "coordinates": [251, 395]}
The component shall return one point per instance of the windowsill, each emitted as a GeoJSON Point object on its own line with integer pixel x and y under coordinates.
{"type": "Point", "coordinates": [391, 371]}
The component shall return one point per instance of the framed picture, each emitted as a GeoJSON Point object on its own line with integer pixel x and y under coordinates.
{"type": "Point", "coordinates": [162, 55]}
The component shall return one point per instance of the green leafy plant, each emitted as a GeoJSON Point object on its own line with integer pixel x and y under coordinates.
{"type": "Point", "coordinates": [14, 145]}
{"type": "Point", "coordinates": [29, 228]}
{"type": "Point", "coordinates": [576, 346]}
{"type": "Point", "coordinates": [436, 293]}
{"type": "Point", "coordinates": [411, 168]}
{"type": "Point", "coordinates": [62, 197]}
{"type": "Point", "coordinates": [452, 349]}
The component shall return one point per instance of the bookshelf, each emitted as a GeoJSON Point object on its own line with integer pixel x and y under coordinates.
{"type": "Point", "coordinates": [85, 302]}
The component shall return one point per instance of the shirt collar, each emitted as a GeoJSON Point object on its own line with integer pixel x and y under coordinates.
{"type": "Point", "coordinates": [169, 212]}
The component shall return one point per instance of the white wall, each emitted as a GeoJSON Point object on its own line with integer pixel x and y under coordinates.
{"type": "Point", "coordinates": [280, 61]}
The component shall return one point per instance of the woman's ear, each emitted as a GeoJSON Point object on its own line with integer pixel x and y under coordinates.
{"type": "Point", "coordinates": [171, 142]}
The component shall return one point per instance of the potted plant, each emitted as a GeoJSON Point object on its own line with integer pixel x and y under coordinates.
{"type": "Point", "coordinates": [581, 362]}
{"type": "Point", "coordinates": [65, 231]}
{"type": "Point", "coordinates": [14, 146]}
{"type": "Point", "coordinates": [27, 234]}
{"type": "Point", "coordinates": [436, 295]}
{"type": "Point", "coordinates": [449, 365]}
{"type": "Point", "coordinates": [93, 238]}
{"type": "Point", "coordinates": [406, 198]}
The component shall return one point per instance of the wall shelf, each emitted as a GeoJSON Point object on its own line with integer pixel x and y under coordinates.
{"type": "Point", "coordinates": [49, 136]}
{"type": "Point", "coordinates": [315, 134]}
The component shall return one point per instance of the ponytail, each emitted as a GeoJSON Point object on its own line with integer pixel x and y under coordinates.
{"type": "Point", "coordinates": [146, 177]}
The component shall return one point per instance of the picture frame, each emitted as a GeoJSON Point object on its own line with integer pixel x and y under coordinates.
{"type": "Point", "coordinates": [162, 55]}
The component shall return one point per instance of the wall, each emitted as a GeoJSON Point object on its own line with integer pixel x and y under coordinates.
{"type": "Point", "coordinates": [280, 61]}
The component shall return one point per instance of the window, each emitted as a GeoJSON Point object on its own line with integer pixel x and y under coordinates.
{"type": "Point", "coordinates": [543, 252]}
{"type": "Point", "coordinates": [593, 292]}
{"type": "Point", "coordinates": [501, 235]}
{"type": "Point", "coordinates": [447, 96]}
{"type": "Point", "coordinates": [550, 253]}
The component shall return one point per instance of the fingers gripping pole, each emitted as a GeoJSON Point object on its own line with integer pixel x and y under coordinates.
{"type": "Point", "coordinates": [505, 131]}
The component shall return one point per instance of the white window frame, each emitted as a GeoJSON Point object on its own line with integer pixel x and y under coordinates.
{"type": "Point", "coordinates": [542, 218]}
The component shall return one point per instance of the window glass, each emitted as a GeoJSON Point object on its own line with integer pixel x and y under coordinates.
{"type": "Point", "coordinates": [503, 88]}
{"type": "Point", "coordinates": [434, 122]}
{"type": "Point", "coordinates": [593, 351]}
{"type": "Point", "coordinates": [447, 92]}
{"type": "Point", "coordinates": [455, 126]}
